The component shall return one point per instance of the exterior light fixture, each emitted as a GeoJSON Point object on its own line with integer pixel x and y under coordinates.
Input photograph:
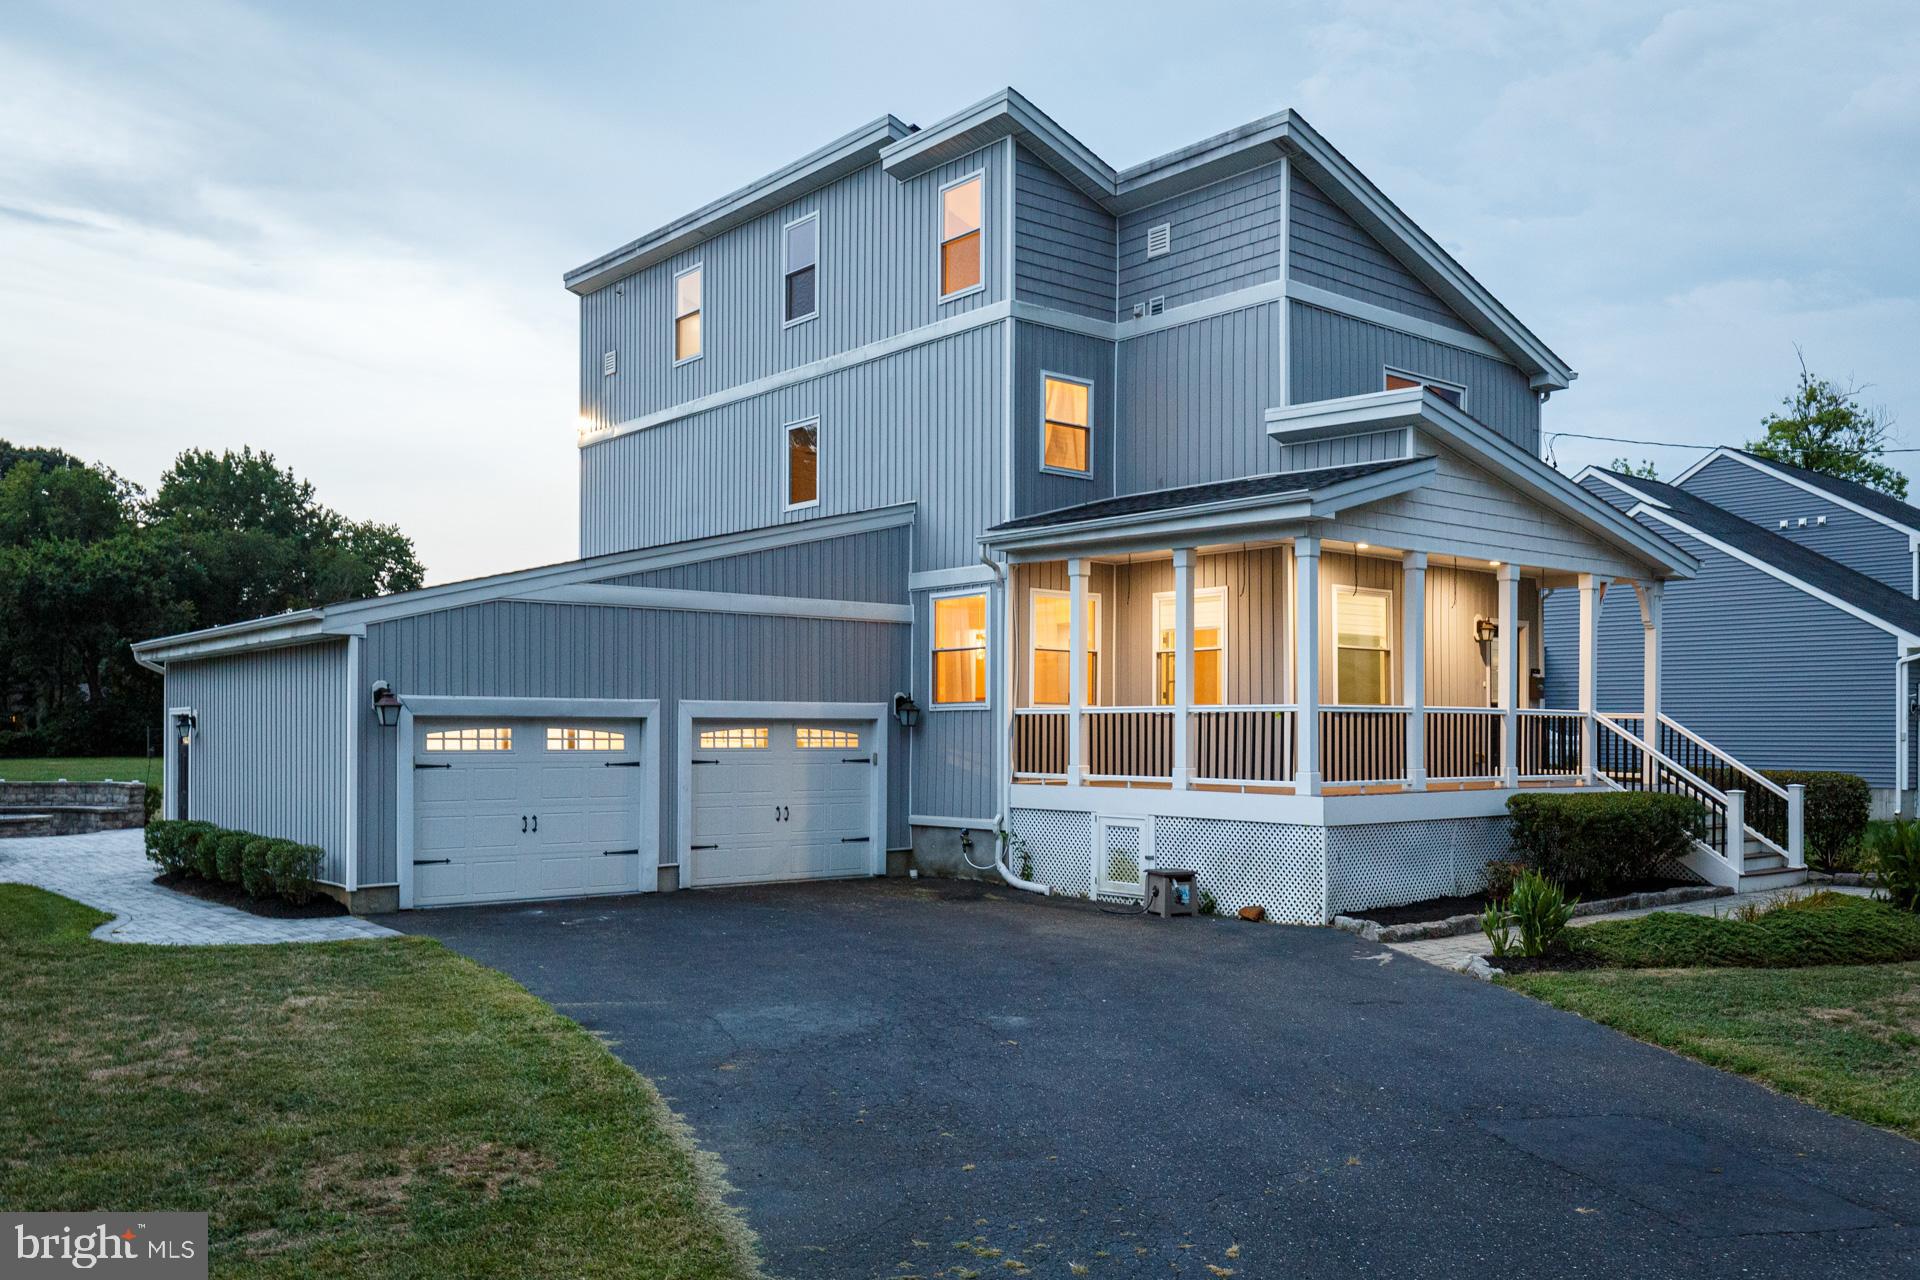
{"type": "Point", "coordinates": [184, 721]}
{"type": "Point", "coordinates": [386, 704]}
{"type": "Point", "coordinates": [1362, 546]}
{"type": "Point", "coordinates": [906, 710]}
{"type": "Point", "coordinates": [1485, 629]}
{"type": "Point", "coordinates": [1494, 563]}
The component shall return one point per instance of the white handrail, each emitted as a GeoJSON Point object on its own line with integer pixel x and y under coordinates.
{"type": "Point", "coordinates": [1665, 759]}
{"type": "Point", "coordinates": [1702, 743]}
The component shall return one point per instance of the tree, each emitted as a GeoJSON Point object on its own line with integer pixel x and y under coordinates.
{"type": "Point", "coordinates": [1826, 429]}
{"type": "Point", "coordinates": [1646, 470]}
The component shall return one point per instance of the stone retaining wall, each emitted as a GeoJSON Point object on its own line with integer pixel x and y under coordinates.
{"type": "Point", "coordinates": [70, 808]}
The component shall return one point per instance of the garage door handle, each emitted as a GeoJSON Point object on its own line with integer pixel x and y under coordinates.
{"type": "Point", "coordinates": [620, 853]}
{"type": "Point", "coordinates": [623, 764]}
{"type": "Point", "coordinates": [856, 759]}
{"type": "Point", "coordinates": [536, 823]}
{"type": "Point", "coordinates": [703, 846]}
{"type": "Point", "coordinates": [431, 862]}
{"type": "Point", "coordinates": [855, 839]}
{"type": "Point", "coordinates": [704, 762]}
{"type": "Point", "coordinates": [418, 765]}
{"type": "Point", "coordinates": [523, 824]}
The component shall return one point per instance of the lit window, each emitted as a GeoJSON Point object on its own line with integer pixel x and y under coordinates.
{"type": "Point", "coordinates": [744, 737]}
{"type": "Point", "coordinates": [499, 739]}
{"type": "Point", "coordinates": [809, 738]}
{"type": "Point", "coordinates": [960, 237]}
{"type": "Point", "coordinates": [803, 464]}
{"type": "Point", "coordinates": [1447, 391]}
{"type": "Point", "coordinates": [1209, 641]}
{"type": "Point", "coordinates": [686, 314]}
{"type": "Point", "coordinates": [1363, 648]}
{"type": "Point", "coordinates": [960, 650]}
{"type": "Point", "coordinates": [802, 288]}
{"type": "Point", "coordinates": [1068, 412]}
{"type": "Point", "coordinates": [559, 739]}
{"type": "Point", "coordinates": [1052, 623]}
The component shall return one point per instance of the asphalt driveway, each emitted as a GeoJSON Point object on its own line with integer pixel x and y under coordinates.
{"type": "Point", "coordinates": [929, 1079]}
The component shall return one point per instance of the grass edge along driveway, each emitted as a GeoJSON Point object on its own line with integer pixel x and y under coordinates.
{"type": "Point", "coordinates": [1845, 1038]}
{"type": "Point", "coordinates": [358, 1108]}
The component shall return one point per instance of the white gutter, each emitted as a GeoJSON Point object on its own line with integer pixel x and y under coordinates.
{"type": "Point", "coordinates": [1004, 760]}
{"type": "Point", "coordinates": [1902, 678]}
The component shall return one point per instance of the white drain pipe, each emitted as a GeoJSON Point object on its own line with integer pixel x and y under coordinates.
{"type": "Point", "coordinates": [1005, 719]}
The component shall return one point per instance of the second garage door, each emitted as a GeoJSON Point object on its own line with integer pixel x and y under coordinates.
{"type": "Point", "coordinates": [781, 800]}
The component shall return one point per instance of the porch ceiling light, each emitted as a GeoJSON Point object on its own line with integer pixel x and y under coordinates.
{"type": "Point", "coordinates": [1362, 546]}
{"type": "Point", "coordinates": [1494, 563]}
{"type": "Point", "coordinates": [386, 704]}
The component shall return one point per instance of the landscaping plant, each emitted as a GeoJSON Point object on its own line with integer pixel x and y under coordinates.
{"type": "Point", "coordinates": [262, 866]}
{"type": "Point", "coordinates": [1493, 923]}
{"type": "Point", "coordinates": [1537, 908]}
{"type": "Point", "coordinates": [1595, 843]}
{"type": "Point", "coordinates": [1893, 859]}
{"type": "Point", "coordinates": [1820, 928]}
{"type": "Point", "coordinates": [1835, 817]}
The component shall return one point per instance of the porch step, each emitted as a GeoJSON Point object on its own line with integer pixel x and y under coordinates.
{"type": "Point", "coordinates": [1769, 881]}
{"type": "Point", "coordinates": [1761, 860]}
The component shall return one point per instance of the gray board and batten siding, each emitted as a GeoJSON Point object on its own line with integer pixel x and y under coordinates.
{"type": "Point", "coordinates": [1331, 251]}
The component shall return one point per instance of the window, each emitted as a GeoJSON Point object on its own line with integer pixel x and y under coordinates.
{"type": "Point", "coordinates": [803, 464]}
{"type": "Point", "coordinates": [808, 738]}
{"type": "Point", "coordinates": [1068, 414]}
{"type": "Point", "coordinates": [960, 650]}
{"type": "Point", "coordinates": [1052, 613]}
{"type": "Point", "coordinates": [960, 211]}
{"type": "Point", "coordinates": [560, 739]}
{"type": "Point", "coordinates": [743, 738]}
{"type": "Point", "coordinates": [802, 285]}
{"type": "Point", "coordinates": [1363, 646]}
{"type": "Point", "coordinates": [500, 739]}
{"type": "Point", "coordinates": [1209, 642]}
{"type": "Point", "coordinates": [1452, 393]}
{"type": "Point", "coordinates": [686, 314]}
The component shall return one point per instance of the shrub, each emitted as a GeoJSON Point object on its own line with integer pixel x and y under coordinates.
{"type": "Point", "coordinates": [201, 840]}
{"type": "Point", "coordinates": [256, 870]}
{"type": "Point", "coordinates": [1500, 877]}
{"type": "Point", "coordinates": [1592, 843]}
{"type": "Point", "coordinates": [1893, 859]}
{"type": "Point", "coordinates": [165, 846]}
{"type": "Point", "coordinates": [1835, 820]}
{"type": "Point", "coordinates": [228, 846]}
{"type": "Point", "coordinates": [292, 868]}
{"type": "Point", "coordinates": [1823, 928]}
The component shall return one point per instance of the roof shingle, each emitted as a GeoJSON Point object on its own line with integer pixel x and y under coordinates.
{"type": "Point", "coordinates": [1280, 484]}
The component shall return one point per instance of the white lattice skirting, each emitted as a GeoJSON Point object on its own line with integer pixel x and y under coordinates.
{"type": "Point", "coordinates": [1299, 874]}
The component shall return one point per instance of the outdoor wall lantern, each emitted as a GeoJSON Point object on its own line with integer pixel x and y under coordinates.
{"type": "Point", "coordinates": [386, 704]}
{"type": "Point", "coordinates": [1485, 629]}
{"type": "Point", "coordinates": [906, 710]}
{"type": "Point", "coordinates": [183, 721]}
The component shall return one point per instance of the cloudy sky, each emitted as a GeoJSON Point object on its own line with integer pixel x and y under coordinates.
{"type": "Point", "coordinates": [337, 232]}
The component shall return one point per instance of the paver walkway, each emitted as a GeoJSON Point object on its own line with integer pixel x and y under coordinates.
{"type": "Point", "coordinates": [1454, 953]}
{"type": "Point", "coordinates": [109, 870]}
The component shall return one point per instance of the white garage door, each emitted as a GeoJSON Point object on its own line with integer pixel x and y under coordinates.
{"type": "Point", "coordinates": [514, 809]}
{"type": "Point", "coordinates": [782, 800]}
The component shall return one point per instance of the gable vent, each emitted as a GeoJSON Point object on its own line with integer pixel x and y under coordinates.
{"type": "Point", "coordinates": [1159, 239]}
{"type": "Point", "coordinates": [608, 363]}
{"type": "Point", "coordinates": [1156, 305]}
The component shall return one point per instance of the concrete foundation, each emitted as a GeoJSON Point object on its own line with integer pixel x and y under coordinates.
{"type": "Point", "coordinates": [954, 852]}
{"type": "Point", "coordinates": [374, 901]}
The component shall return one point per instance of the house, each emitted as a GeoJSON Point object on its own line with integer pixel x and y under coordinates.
{"type": "Point", "coordinates": [1793, 647]}
{"type": "Point", "coordinates": [1189, 514]}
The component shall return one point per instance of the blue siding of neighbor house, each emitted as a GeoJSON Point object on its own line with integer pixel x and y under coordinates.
{"type": "Point", "coordinates": [1224, 237]}
{"type": "Point", "coordinates": [269, 753]}
{"type": "Point", "coordinates": [879, 243]}
{"type": "Point", "coordinates": [517, 649]}
{"type": "Point", "coordinates": [1760, 669]}
{"type": "Point", "coordinates": [1861, 544]}
{"type": "Point", "coordinates": [1063, 243]}
{"type": "Point", "coordinates": [1192, 398]}
{"type": "Point", "coordinates": [921, 425]}
{"type": "Point", "coordinates": [1331, 251]}
{"type": "Point", "coordinates": [1039, 351]}
{"type": "Point", "coordinates": [1334, 355]}
{"type": "Point", "coordinates": [863, 566]}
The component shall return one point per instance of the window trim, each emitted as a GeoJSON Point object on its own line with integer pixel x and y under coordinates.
{"type": "Point", "coordinates": [1047, 376]}
{"type": "Point", "coordinates": [673, 323]}
{"type": "Point", "coordinates": [1153, 641]}
{"type": "Point", "coordinates": [941, 241]}
{"type": "Point", "coordinates": [786, 271]}
{"type": "Point", "coordinates": [934, 650]}
{"type": "Point", "coordinates": [1389, 648]}
{"type": "Point", "coordinates": [1393, 371]}
{"type": "Point", "coordinates": [1097, 650]}
{"type": "Point", "coordinates": [786, 450]}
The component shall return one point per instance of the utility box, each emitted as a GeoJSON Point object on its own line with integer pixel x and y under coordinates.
{"type": "Point", "coordinates": [1172, 893]}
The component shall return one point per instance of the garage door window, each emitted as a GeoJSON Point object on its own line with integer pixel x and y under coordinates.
{"type": "Point", "coordinates": [560, 739]}
{"type": "Point", "coordinates": [492, 739]}
{"type": "Point", "coordinates": [743, 737]}
{"type": "Point", "coordinates": [840, 739]}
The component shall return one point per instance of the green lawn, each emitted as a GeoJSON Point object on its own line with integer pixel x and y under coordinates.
{"type": "Point", "coordinates": [83, 769]}
{"type": "Point", "coordinates": [380, 1108]}
{"type": "Point", "coordinates": [1843, 1037]}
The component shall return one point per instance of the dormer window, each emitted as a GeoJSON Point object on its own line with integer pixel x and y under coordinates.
{"type": "Point", "coordinates": [1452, 392]}
{"type": "Point", "coordinates": [686, 315]}
{"type": "Point", "coordinates": [960, 223]}
{"type": "Point", "coordinates": [802, 284]}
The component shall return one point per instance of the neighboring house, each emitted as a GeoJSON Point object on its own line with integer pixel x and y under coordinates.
{"type": "Point", "coordinates": [1187, 514]}
{"type": "Point", "coordinates": [1793, 647]}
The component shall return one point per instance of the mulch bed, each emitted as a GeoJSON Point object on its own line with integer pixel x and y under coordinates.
{"type": "Point", "coordinates": [1474, 904]}
{"type": "Point", "coordinates": [232, 895]}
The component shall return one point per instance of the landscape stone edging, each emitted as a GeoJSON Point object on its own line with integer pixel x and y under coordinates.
{"type": "Point", "coordinates": [1455, 926]}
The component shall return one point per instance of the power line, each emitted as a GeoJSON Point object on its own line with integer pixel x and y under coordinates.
{"type": "Point", "coordinates": [1668, 444]}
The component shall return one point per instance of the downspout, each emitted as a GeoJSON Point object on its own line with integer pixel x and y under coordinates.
{"type": "Point", "coordinates": [1003, 760]}
{"type": "Point", "coordinates": [1902, 687]}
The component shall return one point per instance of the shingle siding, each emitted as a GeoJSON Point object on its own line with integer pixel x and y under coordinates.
{"type": "Point", "coordinates": [1064, 243]}
{"type": "Point", "coordinates": [1859, 542]}
{"type": "Point", "coordinates": [1224, 237]}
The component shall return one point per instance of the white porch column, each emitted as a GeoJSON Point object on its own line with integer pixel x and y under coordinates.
{"type": "Point", "coordinates": [1182, 667]}
{"type": "Point", "coordinates": [1649, 594]}
{"type": "Point", "coordinates": [1507, 698]}
{"type": "Point", "coordinates": [1591, 594]}
{"type": "Point", "coordinates": [1077, 571]}
{"type": "Point", "coordinates": [1306, 665]}
{"type": "Point", "coordinates": [1413, 663]}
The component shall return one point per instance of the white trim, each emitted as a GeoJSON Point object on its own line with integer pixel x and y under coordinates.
{"type": "Point", "coordinates": [933, 649]}
{"type": "Point", "coordinates": [963, 824]}
{"type": "Point", "coordinates": [1283, 366]}
{"type": "Point", "coordinates": [350, 799]}
{"type": "Point", "coordinates": [1154, 650]}
{"type": "Point", "coordinates": [941, 239]}
{"type": "Point", "coordinates": [1094, 647]}
{"type": "Point", "coordinates": [967, 575]}
{"type": "Point", "coordinates": [1046, 376]}
{"type": "Point", "coordinates": [1619, 481]}
{"type": "Point", "coordinates": [276, 632]}
{"type": "Point", "coordinates": [676, 315]}
{"type": "Point", "coordinates": [1335, 590]}
{"type": "Point", "coordinates": [1276, 807]}
{"type": "Point", "coordinates": [1807, 486]}
{"type": "Point", "coordinates": [877, 714]}
{"type": "Point", "coordinates": [693, 601]}
{"type": "Point", "coordinates": [786, 270]}
{"type": "Point", "coordinates": [819, 452]}
{"type": "Point", "coordinates": [1398, 321]}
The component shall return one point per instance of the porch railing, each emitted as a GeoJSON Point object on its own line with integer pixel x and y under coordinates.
{"type": "Point", "coordinates": [1463, 743]}
{"type": "Point", "coordinates": [1549, 744]}
{"type": "Point", "coordinates": [1040, 738]}
{"type": "Point", "coordinates": [1363, 746]}
{"type": "Point", "coordinates": [1243, 744]}
{"type": "Point", "coordinates": [1628, 762]}
{"type": "Point", "coordinates": [1129, 744]}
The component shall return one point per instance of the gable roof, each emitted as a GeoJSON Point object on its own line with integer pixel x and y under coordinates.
{"type": "Point", "coordinates": [1868, 500]}
{"type": "Point", "coordinates": [1797, 564]}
